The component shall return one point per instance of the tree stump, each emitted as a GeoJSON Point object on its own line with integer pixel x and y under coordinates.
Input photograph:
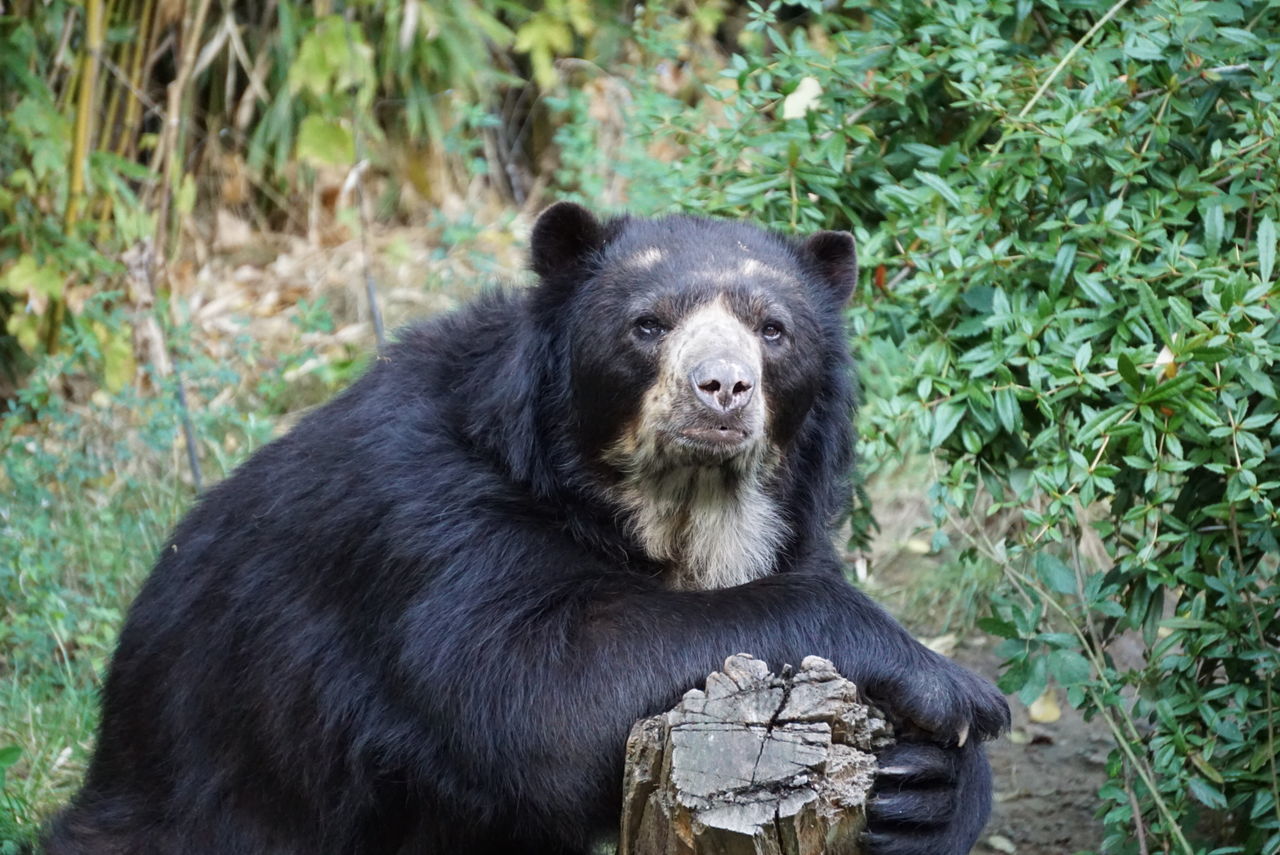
{"type": "Point", "coordinates": [757, 764]}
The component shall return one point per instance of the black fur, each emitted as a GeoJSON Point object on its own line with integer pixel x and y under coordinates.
{"type": "Point", "coordinates": [416, 624]}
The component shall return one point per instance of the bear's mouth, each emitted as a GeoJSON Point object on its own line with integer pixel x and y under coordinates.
{"type": "Point", "coordinates": [714, 443]}
{"type": "Point", "coordinates": [719, 436]}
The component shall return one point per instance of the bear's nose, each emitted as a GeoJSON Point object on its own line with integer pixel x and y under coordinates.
{"type": "Point", "coordinates": [722, 385]}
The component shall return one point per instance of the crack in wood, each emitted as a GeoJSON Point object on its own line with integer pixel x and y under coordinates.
{"type": "Point", "coordinates": [754, 764]}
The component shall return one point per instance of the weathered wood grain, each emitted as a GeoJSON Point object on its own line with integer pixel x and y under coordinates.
{"type": "Point", "coordinates": [757, 764]}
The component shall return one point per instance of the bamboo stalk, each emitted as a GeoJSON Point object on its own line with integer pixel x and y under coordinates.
{"type": "Point", "coordinates": [133, 105]}
{"type": "Point", "coordinates": [65, 87]}
{"type": "Point", "coordinates": [168, 151]}
{"type": "Point", "coordinates": [82, 139]}
{"type": "Point", "coordinates": [112, 129]}
{"type": "Point", "coordinates": [81, 144]}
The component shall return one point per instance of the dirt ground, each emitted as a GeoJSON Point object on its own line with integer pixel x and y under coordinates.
{"type": "Point", "coordinates": [1046, 774]}
{"type": "Point", "coordinates": [1046, 778]}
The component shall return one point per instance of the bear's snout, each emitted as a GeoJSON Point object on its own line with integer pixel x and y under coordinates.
{"type": "Point", "coordinates": [723, 386]}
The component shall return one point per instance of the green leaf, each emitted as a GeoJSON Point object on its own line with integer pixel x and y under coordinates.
{"type": "Point", "coordinates": [1083, 354]}
{"type": "Point", "coordinates": [1007, 410]}
{"type": "Point", "coordinates": [945, 418]}
{"type": "Point", "coordinates": [1112, 211]}
{"type": "Point", "coordinates": [1063, 263]}
{"type": "Point", "coordinates": [940, 185]}
{"type": "Point", "coordinates": [1170, 388]}
{"type": "Point", "coordinates": [1069, 668]}
{"type": "Point", "coordinates": [1214, 227]}
{"type": "Point", "coordinates": [979, 298]}
{"type": "Point", "coordinates": [1095, 289]}
{"type": "Point", "coordinates": [1129, 372]}
{"type": "Point", "coordinates": [1142, 48]}
{"type": "Point", "coordinates": [1037, 681]}
{"type": "Point", "coordinates": [333, 59]}
{"type": "Point", "coordinates": [1207, 794]}
{"type": "Point", "coordinates": [753, 186]}
{"type": "Point", "coordinates": [1101, 422]}
{"type": "Point", "coordinates": [543, 37]}
{"type": "Point", "coordinates": [1056, 575]}
{"type": "Point", "coordinates": [28, 276]}
{"type": "Point", "coordinates": [998, 628]}
{"type": "Point", "coordinates": [324, 142]}
{"type": "Point", "coordinates": [1266, 248]}
{"type": "Point", "coordinates": [1151, 310]}
{"type": "Point", "coordinates": [1238, 35]}
{"type": "Point", "coordinates": [1257, 381]}
{"type": "Point", "coordinates": [1190, 623]}
{"type": "Point", "coordinates": [1207, 770]}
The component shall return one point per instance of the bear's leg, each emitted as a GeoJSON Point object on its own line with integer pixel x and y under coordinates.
{"type": "Point", "coordinates": [96, 825]}
{"type": "Point", "coordinates": [116, 824]}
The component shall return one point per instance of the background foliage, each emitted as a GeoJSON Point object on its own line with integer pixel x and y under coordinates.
{"type": "Point", "coordinates": [1068, 216]}
{"type": "Point", "coordinates": [1066, 213]}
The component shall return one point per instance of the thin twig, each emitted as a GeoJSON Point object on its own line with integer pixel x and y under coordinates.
{"type": "Point", "coordinates": [1191, 78]}
{"type": "Point", "coordinates": [356, 175]}
{"type": "Point", "coordinates": [1124, 741]}
{"type": "Point", "coordinates": [123, 79]}
{"type": "Point", "coordinates": [1044, 28]}
{"type": "Point", "coordinates": [907, 270]}
{"type": "Point", "coordinates": [188, 431]}
{"type": "Point", "coordinates": [1075, 48]}
{"type": "Point", "coordinates": [242, 54]}
{"type": "Point", "coordinates": [1253, 204]}
{"type": "Point", "coordinates": [143, 274]}
{"type": "Point", "coordinates": [166, 162]}
{"type": "Point", "coordinates": [1138, 824]}
{"type": "Point", "coordinates": [899, 276]}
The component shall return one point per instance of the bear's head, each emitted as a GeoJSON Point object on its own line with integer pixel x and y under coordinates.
{"type": "Point", "coordinates": [699, 351]}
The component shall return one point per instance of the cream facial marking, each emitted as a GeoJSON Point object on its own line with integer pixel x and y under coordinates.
{"type": "Point", "coordinates": [705, 333]}
{"type": "Point", "coordinates": [702, 507]}
{"type": "Point", "coordinates": [644, 259]}
{"type": "Point", "coordinates": [752, 267]}
{"type": "Point", "coordinates": [748, 268]}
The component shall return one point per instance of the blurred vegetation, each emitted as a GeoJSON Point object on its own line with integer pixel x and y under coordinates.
{"type": "Point", "coordinates": [118, 118]}
{"type": "Point", "coordinates": [1066, 214]}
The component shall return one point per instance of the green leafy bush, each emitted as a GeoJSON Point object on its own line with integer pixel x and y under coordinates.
{"type": "Point", "coordinates": [1067, 218]}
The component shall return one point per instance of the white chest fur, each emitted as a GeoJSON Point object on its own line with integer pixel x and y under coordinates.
{"type": "Point", "coordinates": [715, 529]}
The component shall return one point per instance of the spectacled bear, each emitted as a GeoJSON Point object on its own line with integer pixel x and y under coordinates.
{"type": "Point", "coordinates": [424, 619]}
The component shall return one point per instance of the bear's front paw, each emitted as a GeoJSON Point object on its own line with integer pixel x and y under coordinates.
{"type": "Point", "coordinates": [951, 704]}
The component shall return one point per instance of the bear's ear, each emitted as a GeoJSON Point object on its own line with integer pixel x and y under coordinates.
{"type": "Point", "coordinates": [563, 235]}
{"type": "Point", "coordinates": [836, 258]}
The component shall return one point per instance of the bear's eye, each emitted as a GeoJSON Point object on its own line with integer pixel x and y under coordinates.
{"type": "Point", "coordinates": [650, 327]}
{"type": "Point", "coordinates": [771, 331]}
